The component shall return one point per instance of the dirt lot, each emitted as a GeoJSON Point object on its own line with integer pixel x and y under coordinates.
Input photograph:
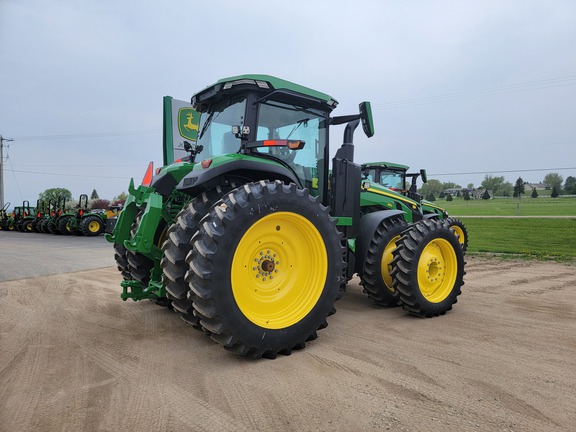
{"type": "Point", "coordinates": [74, 357]}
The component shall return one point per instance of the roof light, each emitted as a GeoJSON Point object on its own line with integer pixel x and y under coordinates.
{"type": "Point", "coordinates": [206, 163]}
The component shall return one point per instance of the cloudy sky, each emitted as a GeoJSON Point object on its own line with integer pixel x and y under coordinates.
{"type": "Point", "coordinates": [461, 88]}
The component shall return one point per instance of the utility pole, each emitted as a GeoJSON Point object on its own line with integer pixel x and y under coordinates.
{"type": "Point", "coordinates": [2, 139]}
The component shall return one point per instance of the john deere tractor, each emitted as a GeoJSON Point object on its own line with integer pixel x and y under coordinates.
{"type": "Point", "coordinates": [85, 222]}
{"type": "Point", "coordinates": [253, 237]}
{"type": "Point", "coordinates": [389, 187]}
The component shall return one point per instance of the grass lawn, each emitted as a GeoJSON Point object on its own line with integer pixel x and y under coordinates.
{"type": "Point", "coordinates": [526, 206]}
{"type": "Point", "coordinates": [536, 238]}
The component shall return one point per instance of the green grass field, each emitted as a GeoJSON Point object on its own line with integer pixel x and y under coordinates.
{"type": "Point", "coordinates": [536, 238]}
{"type": "Point", "coordinates": [542, 238]}
{"type": "Point", "coordinates": [511, 207]}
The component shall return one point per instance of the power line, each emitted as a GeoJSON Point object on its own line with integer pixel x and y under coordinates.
{"type": "Point", "coordinates": [87, 135]}
{"type": "Point", "coordinates": [490, 91]}
{"type": "Point", "coordinates": [503, 171]}
{"type": "Point", "coordinates": [68, 175]}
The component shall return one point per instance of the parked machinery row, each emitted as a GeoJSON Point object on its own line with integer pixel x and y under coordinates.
{"type": "Point", "coordinates": [53, 218]}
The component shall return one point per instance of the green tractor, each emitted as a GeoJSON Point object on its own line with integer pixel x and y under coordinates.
{"type": "Point", "coordinates": [389, 182]}
{"type": "Point", "coordinates": [52, 225]}
{"type": "Point", "coordinates": [5, 218]}
{"type": "Point", "coordinates": [26, 218]}
{"type": "Point", "coordinates": [254, 243]}
{"type": "Point", "coordinates": [83, 221]}
{"type": "Point", "coordinates": [22, 218]}
{"type": "Point", "coordinates": [42, 212]}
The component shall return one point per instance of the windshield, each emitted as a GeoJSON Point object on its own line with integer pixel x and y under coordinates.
{"type": "Point", "coordinates": [216, 129]}
{"type": "Point", "coordinates": [282, 121]}
{"type": "Point", "coordinates": [388, 179]}
{"type": "Point", "coordinates": [392, 180]}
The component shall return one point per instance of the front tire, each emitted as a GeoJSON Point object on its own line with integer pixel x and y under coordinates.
{"type": "Point", "coordinates": [266, 267]}
{"type": "Point", "coordinates": [428, 269]}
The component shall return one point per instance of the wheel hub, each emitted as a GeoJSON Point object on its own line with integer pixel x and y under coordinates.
{"type": "Point", "coordinates": [265, 265]}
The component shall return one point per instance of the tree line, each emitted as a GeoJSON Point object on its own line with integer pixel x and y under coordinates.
{"type": "Point", "coordinates": [500, 187]}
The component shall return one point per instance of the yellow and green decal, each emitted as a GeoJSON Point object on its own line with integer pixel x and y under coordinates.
{"type": "Point", "coordinates": [188, 120]}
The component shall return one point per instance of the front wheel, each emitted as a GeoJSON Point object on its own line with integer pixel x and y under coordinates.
{"type": "Point", "coordinates": [428, 269]}
{"type": "Point", "coordinates": [265, 268]}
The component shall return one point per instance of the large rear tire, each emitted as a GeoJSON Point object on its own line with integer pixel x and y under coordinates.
{"type": "Point", "coordinates": [265, 267]}
{"type": "Point", "coordinates": [62, 225]}
{"type": "Point", "coordinates": [122, 261]}
{"type": "Point", "coordinates": [428, 269]}
{"type": "Point", "coordinates": [176, 248]}
{"type": "Point", "coordinates": [27, 226]}
{"type": "Point", "coordinates": [376, 278]}
{"type": "Point", "coordinates": [92, 226]}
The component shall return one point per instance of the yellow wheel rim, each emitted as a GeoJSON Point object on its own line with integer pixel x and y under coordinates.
{"type": "Point", "coordinates": [279, 270]}
{"type": "Point", "coordinates": [459, 232]}
{"type": "Point", "coordinates": [386, 263]}
{"type": "Point", "coordinates": [93, 226]}
{"type": "Point", "coordinates": [437, 270]}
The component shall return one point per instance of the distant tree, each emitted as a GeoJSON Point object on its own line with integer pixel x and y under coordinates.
{"type": "Point", "coordinates": [430, 197]}
{"type": "Point", "coordinates": [54, 194]}
{"type": "Point", "coordinates": [466, 196]}
{"type": "Point", "coordinates": [506, 189]}
{"type": "Point", "coordinates": [570, 185]}
{"type": "Point", "coordinates": [534, 193]}
{"type": "Point", "coordinates": [554, 193]}
{"type": "Point", "coordinates": [121, 197]}
{"type": "Point", "coordinates": [100, 204]}
{"type": "Point", "coordinates": [493, 183]}
{"type": "Point", "coordinates": [553, 179]}
{"type": "Point", "coordinates": [432, 186]}
{"type": "Point", "coordinates": [458, 194]}
{"type": "Point", "coordinates": [449, 197]}
{"type": "Point", "coordinates": [519, 188]}
{"type": "Point", "coordinates": [486, 195]}
{"type": "Point", "coordinates": [442, 195]}
{"type": "Point", "coordinates": [450, 185]}
{"type": "Point", "coordinates": [94, 194]}
{"type": "Point", "coordinates": [470, 186]}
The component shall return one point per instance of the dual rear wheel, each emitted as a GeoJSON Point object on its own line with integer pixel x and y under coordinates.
{"type": "Point", "coordinates": [419, 267]}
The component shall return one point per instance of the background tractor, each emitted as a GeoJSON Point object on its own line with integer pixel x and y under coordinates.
{"type": "Point", "coordinates": [389, 187]}
{"type": "Point", "coordinates": [254, 243]}
{"type": "Point", "coordinates": [85, 222]}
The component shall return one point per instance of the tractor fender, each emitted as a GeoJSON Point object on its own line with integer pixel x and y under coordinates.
{"type": "Point", "coordinates": [368, 225]}
{"type": "Point", "coordinates": [250, 169]}
{"type": "Point", "coordinates": [431, 216]}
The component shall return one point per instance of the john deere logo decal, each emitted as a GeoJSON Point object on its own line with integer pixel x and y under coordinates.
{"type": "Point", "coordinates": [188, 120]}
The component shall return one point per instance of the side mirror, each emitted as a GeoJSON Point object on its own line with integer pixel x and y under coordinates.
{"type": "Point", "coordinates": [366, 118]}
{"type": "Point", "coordinates": [423, 175]}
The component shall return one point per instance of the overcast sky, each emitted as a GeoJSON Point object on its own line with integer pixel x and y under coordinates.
{"type": "Point", "coordinates": [475, 87]}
